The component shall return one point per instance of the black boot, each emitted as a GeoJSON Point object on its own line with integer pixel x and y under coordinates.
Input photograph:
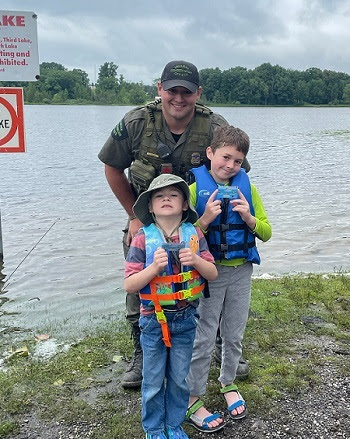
{"type": "Point", "coordinates": [133, 376]}
{"type": "Point", "coordinates": [242, 369]}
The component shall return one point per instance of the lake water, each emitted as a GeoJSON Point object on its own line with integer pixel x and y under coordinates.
{"type": "Point", "coordinates": [61, 225]}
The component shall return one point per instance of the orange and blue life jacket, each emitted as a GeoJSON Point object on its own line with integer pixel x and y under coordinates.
{"type": "Point", "coordinates": [168, 288]}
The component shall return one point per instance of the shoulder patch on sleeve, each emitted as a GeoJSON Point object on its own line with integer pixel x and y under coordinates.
{"type": "Point", "coordinates": [120, 132]}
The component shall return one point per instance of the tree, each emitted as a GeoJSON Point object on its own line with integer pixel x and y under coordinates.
{"type": "Point", "coordinates": [346, 94]}
{"type": "Point", "coordinates": [108, 70]}
{"type": "Point", "coordinates": [317, 91]}
{"type": "Point", "coordinates": [107, 86]}
{"type": "Point", "coordinates": [230, 83]}
{"type": "Point", "coordinates": [81, 77]}
{"type": "Point", "coordinates": [258, 91]}
{"type": "Point", "coordinates": [210, 80]}
{"type": "Point", "coordinates": [301, 92]}
{"type": "Point", "coordinates": [60, 80]}
{"type": "Point", "coordinates": [267, 73]}
{"type": "Point", "coordinates": [137, 96]}
{"type": "Point", "coordinates": [313, 73]}
{"type": "Point", "coordinates": [265, 85]}
{"type": "Point", "coordinates": [151, 90]}
{"type": "Point", "coordinates": [283, 89]}
{"type": "Point", "coordinates": [52, 66]}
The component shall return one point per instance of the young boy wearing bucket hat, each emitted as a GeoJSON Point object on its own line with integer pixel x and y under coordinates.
{"type": "Point", "coordinates": [167, 263]}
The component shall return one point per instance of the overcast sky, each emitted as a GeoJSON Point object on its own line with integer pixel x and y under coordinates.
{"type": "Point", "coordinates": [141, 36]}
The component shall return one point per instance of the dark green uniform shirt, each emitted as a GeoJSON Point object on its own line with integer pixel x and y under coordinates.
{"type": "Point", "coordinates": [121, 148]}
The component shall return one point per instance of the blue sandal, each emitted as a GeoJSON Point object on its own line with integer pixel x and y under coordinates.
{"type": "Point", "coordinates": [239, 403]}
{"type": "Point", "coordinates": [201, 424]}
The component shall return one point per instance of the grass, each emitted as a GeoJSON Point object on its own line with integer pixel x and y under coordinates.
{"type": "Point", "coordinates": [290, 319]}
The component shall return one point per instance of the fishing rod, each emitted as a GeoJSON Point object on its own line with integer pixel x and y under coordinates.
{"type": "Point", "coordinates": [25, 257]}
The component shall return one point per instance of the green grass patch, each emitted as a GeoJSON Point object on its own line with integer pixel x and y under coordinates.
{"type": "Point", "coordinates": [291, 318]}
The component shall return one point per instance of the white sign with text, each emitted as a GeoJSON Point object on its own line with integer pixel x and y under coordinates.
{"type": "Point", "coordinates": [19, 57]}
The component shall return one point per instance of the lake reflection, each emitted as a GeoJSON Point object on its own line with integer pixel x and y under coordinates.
{"type": "Point", "coordinates": [61, 225]}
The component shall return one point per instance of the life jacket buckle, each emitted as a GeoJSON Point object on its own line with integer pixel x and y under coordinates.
{"type": "Point", "coordinates": [165, 328]}
{"type": "Point", "coordinates": [224, 227]}
{"type": "Point", "coordinates": [223, 247]}
{"type": "Point", "coordinates": [185, 276]}
{"type": "Point", "coordinates": [185, 294]}
{"type": "Point", "coordinates": [161, 316]}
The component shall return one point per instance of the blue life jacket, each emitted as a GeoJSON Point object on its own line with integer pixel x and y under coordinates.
{"type": "Point", "coordinates": [228, 235]}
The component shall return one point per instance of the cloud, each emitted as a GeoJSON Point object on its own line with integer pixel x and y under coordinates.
{"type": "Point", "coordinates": [141, 37]}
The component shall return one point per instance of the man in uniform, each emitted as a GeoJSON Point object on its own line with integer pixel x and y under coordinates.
{"type": "Point", "coordinates": [167, 136]}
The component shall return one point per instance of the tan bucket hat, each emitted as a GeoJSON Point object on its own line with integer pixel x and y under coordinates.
{"type": "Point", "coordinates": [141, 206]}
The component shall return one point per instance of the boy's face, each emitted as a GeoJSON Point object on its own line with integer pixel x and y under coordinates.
{"type": "Point", "coordinates": [225, 162]}
{"type": "Point", "coordinates": [168, 202]}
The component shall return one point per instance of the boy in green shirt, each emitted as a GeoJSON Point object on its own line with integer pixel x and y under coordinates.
{"type": "Point", "coordinates": [232, 215]}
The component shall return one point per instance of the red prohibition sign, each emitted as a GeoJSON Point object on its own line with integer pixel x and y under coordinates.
{"type": "Point", "coordinates": [14, 118]}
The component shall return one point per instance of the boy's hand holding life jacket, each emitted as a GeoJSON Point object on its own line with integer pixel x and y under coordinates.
{"type": "Point", "coordinates": [160, 259]}
{"type": "Point", "coordinates": [241, 206]}
{"type": "Point", "coordinates": [212, 210]}
{"type": "Point", "coordinates": [188, 258]}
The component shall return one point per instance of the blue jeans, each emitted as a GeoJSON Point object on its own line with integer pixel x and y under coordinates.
{"type": "Point", "coordinates": [165, 393]}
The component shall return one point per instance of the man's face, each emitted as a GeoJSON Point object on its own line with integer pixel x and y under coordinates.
{"type": "Point", "coordinates": [178, 103]}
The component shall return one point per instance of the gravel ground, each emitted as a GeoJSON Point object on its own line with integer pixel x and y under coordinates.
{"type": "Point", "coordinates": [321, 413]}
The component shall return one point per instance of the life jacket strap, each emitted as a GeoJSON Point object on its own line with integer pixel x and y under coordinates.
{"type": "Point", "coordinates": [227, 227]}
{"type": "Point", "coordinates": [161, 318]}
{"type": "Point", "coordinates": [225, 248]}
{"type": "Point", "coordinates": [177, 278]}
{"type": "Point", "coordinates": [177, 295]}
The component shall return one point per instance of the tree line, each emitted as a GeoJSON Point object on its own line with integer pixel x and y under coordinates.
{"type": "Point", "coordinates": [275, 85]}
{"type": "Point", "coordinates": [264, 85]}
{"type": "Point", "coordinates": [59, 85]}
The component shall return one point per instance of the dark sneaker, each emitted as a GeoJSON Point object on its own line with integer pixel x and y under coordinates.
{"type": "Point", "coordinates": [217, 354]}
{"type": "Point", "coordinates": [243, 368]}
{"type": "Point", "coordinates": [132, 378]}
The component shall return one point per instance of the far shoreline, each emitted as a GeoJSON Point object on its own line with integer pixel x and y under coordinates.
{"type": "Point", "coordinates": [210, 105]}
